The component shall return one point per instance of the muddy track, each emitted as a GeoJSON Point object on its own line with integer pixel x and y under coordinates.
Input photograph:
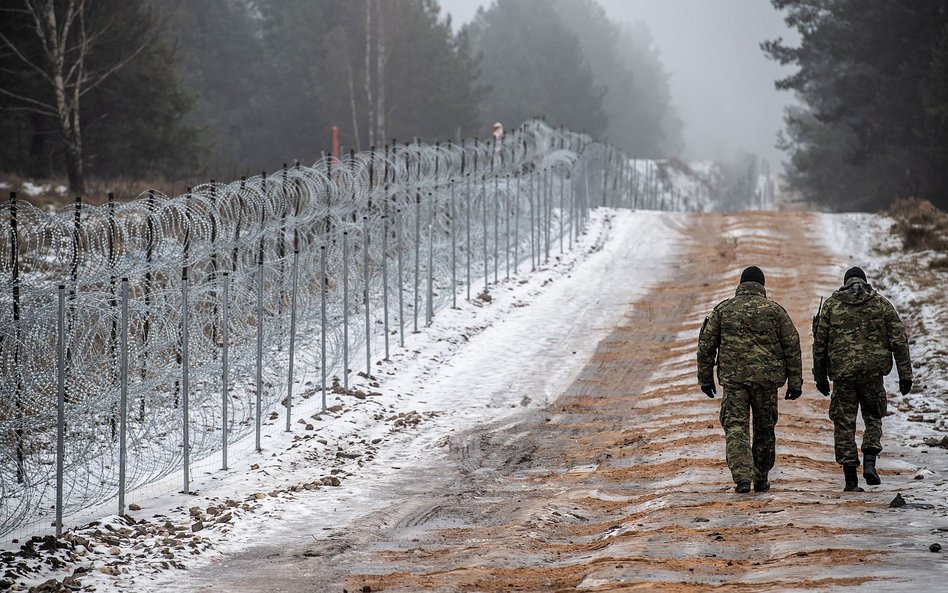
{"type": "Point", "coordinates": [621, 483]}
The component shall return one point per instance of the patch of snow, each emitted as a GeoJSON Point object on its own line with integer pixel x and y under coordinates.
{"type": "Point", "coordinates": [32, 189]}
{"type": "Point", "coordinates": [531, 339]}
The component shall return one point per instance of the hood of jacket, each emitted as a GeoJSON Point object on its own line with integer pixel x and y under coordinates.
{"type": "Point", "coordinates": [855, 292]}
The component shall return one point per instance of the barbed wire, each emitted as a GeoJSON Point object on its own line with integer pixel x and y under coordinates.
{"type": "Point", "coordinates": [319, 264]}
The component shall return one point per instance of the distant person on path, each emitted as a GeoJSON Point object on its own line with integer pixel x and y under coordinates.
{"type": "Point", "coordinates": [757, 349]}
{"type": "Point", "coordinates": [856, 334]}
{"type": "Point", "coordinates": [497, 131]}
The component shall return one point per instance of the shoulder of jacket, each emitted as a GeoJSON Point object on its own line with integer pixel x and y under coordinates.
{"type": "Point", "coordinates": [831, 302]}
{"type": "Point", "coordinates": [886, 303]}
{"type": "Point", "coordinates": [779, 306]}
{"type": "Point", "coordinates": [723, 303]}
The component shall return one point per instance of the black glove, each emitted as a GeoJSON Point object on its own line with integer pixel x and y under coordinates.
{"type": "Point", "coordinates": [709, 389]}
{"type": "Point", "coordinates": [793, 393]}
{"type": "Point", "coordinates": [905, 386]}
{"type": "Point", "coordinates": [823, 386]}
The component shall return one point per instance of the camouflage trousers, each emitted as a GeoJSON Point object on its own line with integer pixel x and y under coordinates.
{"type": "Point", "coordinates": [848, 398]}
{"type": "Point", "coordinates": [749, 459]}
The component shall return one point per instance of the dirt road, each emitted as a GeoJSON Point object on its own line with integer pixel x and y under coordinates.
{"type": "Point", "coordinates": [621, 484]}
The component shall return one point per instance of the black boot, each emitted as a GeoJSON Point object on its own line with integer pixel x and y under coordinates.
{"type": "Point", "coordinates": [869, 469]}
{"type": "Point", "coordinates": [761, 484]}
{"type": "Point", "coordinates": [743, 487]}
{"type": "Point", "coordinates": [852, 479]}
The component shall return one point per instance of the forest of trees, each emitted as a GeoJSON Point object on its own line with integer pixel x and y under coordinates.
{"type": "Point", "coordinates": [219, 88]}
{"type": "Point", "coordinates": [873, 80]}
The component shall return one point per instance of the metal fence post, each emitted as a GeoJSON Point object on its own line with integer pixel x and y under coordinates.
{"type": "Point", "coordinates": [225, 370]}
{"type": "Point", "coordinates": [516, 253]}
{"type": "Point", "coordinates": [18, 433]}
{"type": "Point", "coordinates": [401, 292]}
{"type": "Point", "coordinates": [260, 278]}
{"type": "Point", "coordinates": [289, 371]}
{"type": "Point", "coordinates": [634, 181]}
{"type": "Point", "coordinates": [572, 203]}
{"type": "Point", "coordinates": [61, 414]}
{"type": "Point", "coordinates": [496, 222]}
{"type": "Point", "coordinates": [429, 309]}
{"type": "Point", "coordinates": [365, 299]}
{"type": "Point", "coordinates": [385, 211]}
{"type": "Point", "coordinates": [562, 208]}
{"type": "Point", "coordinates": [585, 195]}
{"type": "Point", "coordinates": [385, 281]}
{"type": "Point", "coordinates": [486, 233]}
{"type": "Point", "coordinates": [259, 375]}
{"type": "Point", "coordinates": [452, 228]}
{"type": "Point", "coordinates": [185, 386]}
{"type": "Point", "coordinates": [414, 309]}
{"type": "Point", "coordinates": [123, 396]}
{"type": "Point", "coordinates": [604, 158]}
{"type": "Point", "coordinates": [507, 227]}
{"type": "Point", "coordinates": [345, 310]}
{"type": "Point", "coordinates": [467, 229]}
{"type": "Point", "coordinates": [533, 265]}
{"type": "Point", "coordinates": [548, 219]}
{"type": "Point", "coordinates": [322, 326]}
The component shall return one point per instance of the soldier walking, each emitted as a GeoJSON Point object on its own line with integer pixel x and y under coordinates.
{"type": "Point", "coordinates": [757, 349]}
{"type": "Point", "coordinates": [856, 334]}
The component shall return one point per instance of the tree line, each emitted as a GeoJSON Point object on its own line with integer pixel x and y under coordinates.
{"type": "Point", "coordinates": [165, 88]}
{"type": "Point", "coordinates": [872, 78]}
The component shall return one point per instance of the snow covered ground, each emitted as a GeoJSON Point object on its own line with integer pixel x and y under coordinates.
{"type": "Point", "coordinates": [534, 335]}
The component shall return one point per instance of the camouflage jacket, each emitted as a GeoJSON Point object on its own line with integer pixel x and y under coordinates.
{"type": "Point", "coordinates": [753, 341]}
{"type": "Point", "coordinates": [857, 333]}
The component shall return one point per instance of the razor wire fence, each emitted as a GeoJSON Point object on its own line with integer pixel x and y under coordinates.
{"type": "Point", "coordinates": [143, 339]}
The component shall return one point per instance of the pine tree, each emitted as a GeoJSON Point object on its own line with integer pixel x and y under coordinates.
{"type": "Point", "coordinates": [625, 63]}
{"type": "Point", "coordinates": [868, 77]}
{"type": "Point", "coordinates": [533, 65]}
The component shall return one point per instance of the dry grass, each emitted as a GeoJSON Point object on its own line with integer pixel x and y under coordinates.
{"type": "Point", "coordinates": [921, 225]}
{"type": "Point", "coordinates": [940, 263]}
{"type": "Point", "coordinates": [57, 194]}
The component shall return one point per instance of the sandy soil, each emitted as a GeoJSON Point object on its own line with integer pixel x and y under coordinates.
{"type": "Point", "coordinates": [621, 484]}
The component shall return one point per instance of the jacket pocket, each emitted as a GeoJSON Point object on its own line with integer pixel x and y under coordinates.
{"type": "Point", "coordinates": [875, 402]}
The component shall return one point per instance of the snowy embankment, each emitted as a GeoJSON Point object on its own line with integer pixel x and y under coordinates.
{"type": "Point", "coordinates": [534, 333]}
{"type": "Point", "coordinates": [916, 288]}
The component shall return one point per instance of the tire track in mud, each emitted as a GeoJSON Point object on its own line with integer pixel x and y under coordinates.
{"type": "Point", "coordinates": [621, 484]}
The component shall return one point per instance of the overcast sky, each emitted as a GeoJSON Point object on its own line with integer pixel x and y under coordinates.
{"type": "Point", "coordinates": [721, 83]}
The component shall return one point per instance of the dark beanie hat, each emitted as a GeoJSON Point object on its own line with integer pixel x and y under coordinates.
{"type": "Point", "coordinates": [854, 272]}
{"type": "Point", "coordinates": [752, 274]}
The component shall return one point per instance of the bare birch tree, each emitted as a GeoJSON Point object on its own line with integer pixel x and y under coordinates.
{"type": "Point", "coordinates": [353, 109]}
{"type": "Point", "coordinates": [66, 42]}
{"type": "Point", "coordinates": [369, 101]}
{"type": "Point", "coordinates": [381, 58]}
{"type": "Point", "coordinates": [374, 72]}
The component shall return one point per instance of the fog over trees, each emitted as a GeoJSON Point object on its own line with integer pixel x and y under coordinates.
{"type": "Point", "coordinates": [179, 89]}
{"type": "Point", "coordinates": [625, 62]}
{"type": "Point", "coordinates": [226, 87]}
{"type": "Point", "coordinates": [873, 77]}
